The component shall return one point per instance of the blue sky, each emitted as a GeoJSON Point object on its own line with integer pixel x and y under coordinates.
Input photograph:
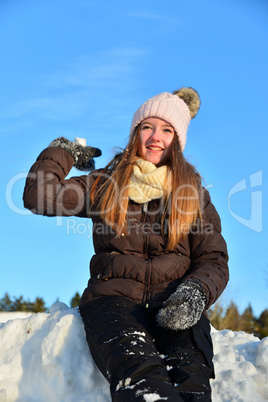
{"type": "Point", "coordinates": [82, 69]}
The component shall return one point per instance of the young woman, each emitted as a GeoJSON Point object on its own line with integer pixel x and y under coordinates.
{"type": "Point", "coordinates": [160, 259]}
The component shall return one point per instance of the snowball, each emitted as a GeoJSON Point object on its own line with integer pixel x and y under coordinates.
{"type": "Point", "coordinates": [58, 306]}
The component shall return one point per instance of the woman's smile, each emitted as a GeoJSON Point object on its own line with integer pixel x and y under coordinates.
{"type": "Point", "coordinates": [156, 136]}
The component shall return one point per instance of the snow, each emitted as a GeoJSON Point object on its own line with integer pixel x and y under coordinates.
{"type": "Point", "coordinates": [45, 357]}
{"type": "Point", "coordinates": [4, 317]}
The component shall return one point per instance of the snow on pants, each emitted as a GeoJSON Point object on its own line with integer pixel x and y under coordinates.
{"type": "Point", "coordinates": [143, 361]}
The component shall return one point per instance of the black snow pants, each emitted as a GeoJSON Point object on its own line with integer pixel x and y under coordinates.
{"type": "Point", "coordinates": [143, 361]}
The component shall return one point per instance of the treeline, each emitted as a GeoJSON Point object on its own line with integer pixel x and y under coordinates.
{"type": "Point", "coordinates": [220, 317]}
{"type": "Point", "coordinates": [8, 304]}
{"type": "Point", "coordinates": [230, 318]}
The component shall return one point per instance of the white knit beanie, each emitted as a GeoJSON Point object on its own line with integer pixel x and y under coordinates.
{"type": "Point", "coordinates": [177, 109]}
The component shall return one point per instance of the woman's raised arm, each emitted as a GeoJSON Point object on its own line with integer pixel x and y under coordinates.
{"type": "Point", "coordinates": [47, 192]}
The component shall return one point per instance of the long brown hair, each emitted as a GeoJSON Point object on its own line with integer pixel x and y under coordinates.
{"type": "Point", "coordinates": [181, 205]}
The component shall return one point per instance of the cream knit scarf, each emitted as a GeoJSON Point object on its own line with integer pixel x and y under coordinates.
{"type": "Point", "coordinates": [147, 181]}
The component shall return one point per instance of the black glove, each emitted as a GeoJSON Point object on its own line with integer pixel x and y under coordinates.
{"type": "Point", "coordinates": [82, 154]}
{"type": "Point", "coordinates": [184, 307]}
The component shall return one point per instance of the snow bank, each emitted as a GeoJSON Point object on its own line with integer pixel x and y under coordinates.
{"type": "Point", "coordinates": [4, 317]}
{"type": "Point", "coordinates": [45, 357]}
{"type": "Point", "coordinates": [241, 367]}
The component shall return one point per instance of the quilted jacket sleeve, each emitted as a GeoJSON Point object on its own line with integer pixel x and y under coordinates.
{"type": "Point", "coordinates": [47, 192]}
{"type": "Point", "coordinates": [209, 256]}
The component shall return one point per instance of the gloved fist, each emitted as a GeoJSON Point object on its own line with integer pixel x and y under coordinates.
{"type": "Point", "coordinates": [82, 154]}
{"type": "Point", "coordinates": [184, 307]}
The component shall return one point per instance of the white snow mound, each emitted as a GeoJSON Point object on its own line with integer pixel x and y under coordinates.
{"type": "Point", "coordinates": [45, 357]}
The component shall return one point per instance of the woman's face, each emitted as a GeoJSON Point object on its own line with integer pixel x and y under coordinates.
{"type": "Point", "coordinates": [156, 136]}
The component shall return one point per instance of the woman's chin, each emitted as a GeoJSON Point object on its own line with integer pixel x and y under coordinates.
{"type": "Point", "coordinates": [153, 159]}
{"type": "Point", "coordinates": [156, 161]}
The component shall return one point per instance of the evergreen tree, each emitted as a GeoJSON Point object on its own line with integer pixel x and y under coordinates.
{"type": "Point", "coordinates": [38, 306]}
{"type": "Point", "coordinates": [263, 324]}
{"type": "Point", "coordinates": [232, 317]}
{"type": "Point", "coordinates": [215, 315]}
{"type": "Point", "coordinates": [19, 304]}
{"type": "Point", "coordinates": [75, 300]}
{"type": "Point", "coordinates": [6, 303]}
{"type": "Point", "coordinates": [248, 321]}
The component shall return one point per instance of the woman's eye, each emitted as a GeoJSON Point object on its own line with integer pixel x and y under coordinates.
{"type": "Point", "coordinates": [168, 130]}
{"type": "Point", "coordinates": [145, 127]}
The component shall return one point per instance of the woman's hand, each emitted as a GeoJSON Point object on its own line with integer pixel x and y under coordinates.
{"type": "Point", "coordinates": [82, 154]}
{"type": "Point", "coordinates": [184, 307]}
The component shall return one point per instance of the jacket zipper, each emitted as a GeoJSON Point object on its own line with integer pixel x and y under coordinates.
{"type": "Point", "coordinates": [145, 251]}
{"type": "Point", "coordinates": [145, 207]}
{"type": "Point", "coordinates": [148, 277]}
{"type": "Point", "coordinates": [143, 219]}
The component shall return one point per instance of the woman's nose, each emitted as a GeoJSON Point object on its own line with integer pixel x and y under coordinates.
{"type": "Point", "coordinates": [155, 134]}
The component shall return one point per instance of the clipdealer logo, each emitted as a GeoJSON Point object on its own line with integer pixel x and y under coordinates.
{"type": "Point", "coordinates": [254, 222]}
{"type": "Point", "coordinates": [255, 202]}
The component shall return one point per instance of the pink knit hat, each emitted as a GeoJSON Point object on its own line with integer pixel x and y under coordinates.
{"type": "Point", "coordinates": [177, 109]}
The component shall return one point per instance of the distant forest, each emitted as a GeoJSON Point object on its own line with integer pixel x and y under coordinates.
{"type": "Point", "coordinates": [220, 317]}
{"type": "Point", "coordinates": [9, 304]}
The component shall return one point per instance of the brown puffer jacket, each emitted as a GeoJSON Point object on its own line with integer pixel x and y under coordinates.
{"type": "Point", "coordinates": [136, 265]}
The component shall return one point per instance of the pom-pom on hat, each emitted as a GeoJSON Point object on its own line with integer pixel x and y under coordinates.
{"type": "Point", "coordinates": [177, 109]}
